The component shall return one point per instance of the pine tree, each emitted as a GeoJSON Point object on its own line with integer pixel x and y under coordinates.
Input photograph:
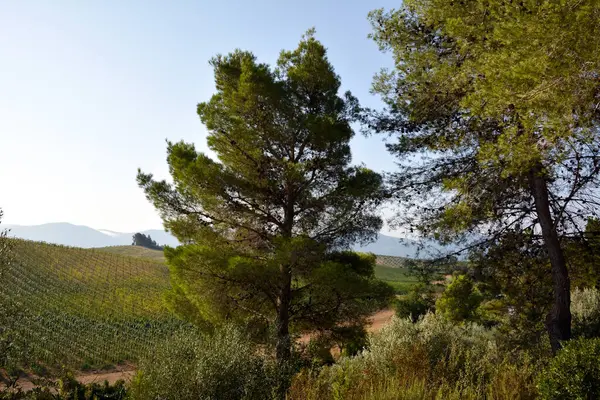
{"type": "Point", "coordinates": [263, 224]}
{"type": "Point", "coordinates": [499, 100]}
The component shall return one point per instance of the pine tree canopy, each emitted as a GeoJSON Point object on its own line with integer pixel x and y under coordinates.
{"type": "Point", "coordinates": [495, 105]}
{"type": "Point", "coordinates": [264, 224]}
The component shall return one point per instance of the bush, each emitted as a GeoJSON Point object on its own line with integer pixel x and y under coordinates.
{"type": "Point", "coordinates": [223, 366]}
{"type": "Point", "coordinates": [460, 300]}
{"type": "Point", "coordinates": [431, 358]}
{"type": "Point", "coordinates": [418, 302]}
{"type": "Point", "coordinates": [585, 310]}
{"type": "Point", "coordinates": [574, 373]}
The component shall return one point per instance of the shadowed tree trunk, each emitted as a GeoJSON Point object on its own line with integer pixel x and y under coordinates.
{"type": "Point", "coordinates": [558, 320]}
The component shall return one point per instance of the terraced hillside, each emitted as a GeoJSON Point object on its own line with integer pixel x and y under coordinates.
{"type": "Point", "coordinates": [80, 308]}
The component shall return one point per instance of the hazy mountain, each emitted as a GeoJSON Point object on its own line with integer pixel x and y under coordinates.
{"type": "Point", "coordinates": [393, 246]}
{"type": "Point", "coordinates": [84, 236]}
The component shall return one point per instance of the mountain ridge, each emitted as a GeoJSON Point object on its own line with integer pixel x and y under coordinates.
{"type": "Point", "coordinates": [68, 234]}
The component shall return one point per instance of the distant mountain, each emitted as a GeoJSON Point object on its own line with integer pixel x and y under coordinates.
{"type": "Point", "coordinates": [398, 247]}
{"type": "Point", "coordinates": [86, 237]}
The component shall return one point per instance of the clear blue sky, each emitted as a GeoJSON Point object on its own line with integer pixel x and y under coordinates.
{"type": "Point", "coordinates": [90, 90]}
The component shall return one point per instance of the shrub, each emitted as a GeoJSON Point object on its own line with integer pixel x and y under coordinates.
{"type": "Point", "coordinates": [223, 366]}
{"type": "Point", "coordinates": [417, 302]}
{"type": "Point", "coordinates": [460, 300]}
{"type": "Point", "coordinates": [585, 309]}
{"type": "Point", "coordinates": [431, 358]}
{"type": "Point", "coordinates": [574, 373]}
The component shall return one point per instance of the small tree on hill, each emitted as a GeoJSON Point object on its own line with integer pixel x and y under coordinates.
{"type": "Point", "coordinates": [140, 239]}
{"type": "Point", "coordinates": [262, 224]}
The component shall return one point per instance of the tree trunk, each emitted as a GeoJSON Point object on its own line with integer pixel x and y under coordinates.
{"type": "Point", "coordinates": [558, 320]}
{"type": "Point", "coordinates": [283, 347]}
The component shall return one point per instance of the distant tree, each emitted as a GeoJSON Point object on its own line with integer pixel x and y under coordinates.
{"type": "Point", "coordinates": [140, 239]}
{"type": "Point", "coordinates": [495, 105]}
{"type": "Point", "coordinates": [263, 223]}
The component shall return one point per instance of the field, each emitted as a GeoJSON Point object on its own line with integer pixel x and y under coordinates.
{"type": "Point", "coordinates": [136, 251]}
{"type": "Point", "coordinates": [397, 277]}
{"type": "Point", "coordinates": [81, 308]}
{"type": "Point", "coordinates": [94, 308]}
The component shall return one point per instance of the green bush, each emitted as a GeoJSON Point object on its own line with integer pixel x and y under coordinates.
{"type": "Point", "coordinates": [418, 302]}
{"type": "Point", "coordinates": [460, 300]}
{"type": "Point", "coordinates": [574, 373]}
{"type": "Point", "coordinates": [224, 366]}
{"type": "Point", "coordinates": [432, 358]}
{"type": "Point", "coordinates": [585, 309]}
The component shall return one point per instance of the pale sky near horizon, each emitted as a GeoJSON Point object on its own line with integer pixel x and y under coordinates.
{"type": "Point", "coordinates": [89, 91]}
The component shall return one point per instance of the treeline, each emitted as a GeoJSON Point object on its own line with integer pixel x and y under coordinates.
{"type": "Point", "coordinates": [140, 239]}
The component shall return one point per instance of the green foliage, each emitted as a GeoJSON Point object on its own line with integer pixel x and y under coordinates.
{"type": "Point", "coordinates": [583, 253]}
{"type": "Point", "coordinates": [222, 366]}
{"type": "Point", "coordinates": [260, 223]}
{"type": "Point", "coordinates": [419, 301]}
{"type": "Point", "coordinates": [397, 277]}
{"type": "Point", "coordinates": [432, 358]}
{"type": "Point", "coordinates": [574, 373]}
{"type": "Point", "coordinates": [585, 307]}
{"type": "Point", "coordinates": [513, 273]}
{"type": "Point", "coordinates": [460, 300]}
{"type": "Point", "coordinates": [494, 107]}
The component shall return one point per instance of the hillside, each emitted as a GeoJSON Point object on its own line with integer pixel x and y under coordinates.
{"type": "Point", "coordinates": [135, 251]}
{"type": "Point", "coordinates": [82, 308]}
{"type": "Point", "coordinates": [94, 308]}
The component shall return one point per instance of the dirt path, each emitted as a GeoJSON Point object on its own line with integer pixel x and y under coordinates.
{"type": "Point", "coordinates": [376, 322]}
{"type": "Point", "coordinates": [379, 320]}
{"type": "Point", "coordinates": [96, 377]}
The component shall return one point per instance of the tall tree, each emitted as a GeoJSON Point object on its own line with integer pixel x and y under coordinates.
{"type": "Point", "coordinates": [496, 107]}
{"type": "Point", "coordinates": [261, 225]}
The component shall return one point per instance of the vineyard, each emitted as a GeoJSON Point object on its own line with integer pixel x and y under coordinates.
{"type": "Point", "coordinates": [95, 309]}
{"type": "Point", "coordinates": [80, 308]}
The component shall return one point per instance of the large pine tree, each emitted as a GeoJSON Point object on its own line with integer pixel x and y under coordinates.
{"type": "Point", "coordinates": [496, 106]}
{"type": "Point", "coordinates": [263, 225]}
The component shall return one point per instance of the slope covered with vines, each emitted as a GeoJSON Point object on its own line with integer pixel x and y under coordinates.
{"type": "Point", "coordinates": [80, 308]}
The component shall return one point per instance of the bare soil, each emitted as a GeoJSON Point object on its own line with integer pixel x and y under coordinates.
{"type": "Point", "coordinates": [125, 373]}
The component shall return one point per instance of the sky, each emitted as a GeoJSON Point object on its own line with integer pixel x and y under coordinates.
{"type": "Point", "coordinates": [90, 90]}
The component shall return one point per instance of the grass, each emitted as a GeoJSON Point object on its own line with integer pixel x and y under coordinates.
{"type": "Point", "coordinates": [398, 278]}
{"type": "Point", "coordinates": [136, 251]}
